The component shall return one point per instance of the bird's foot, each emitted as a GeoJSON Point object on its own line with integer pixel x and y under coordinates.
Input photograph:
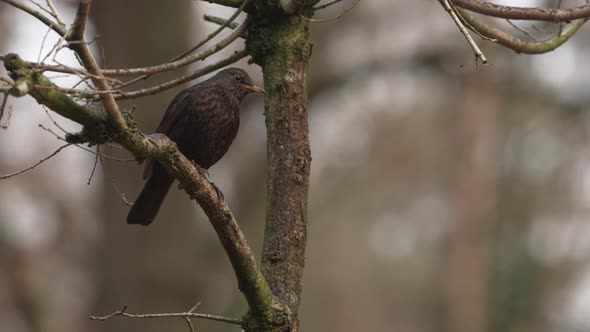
{"type": "Point", "coordinates": [203, 171]}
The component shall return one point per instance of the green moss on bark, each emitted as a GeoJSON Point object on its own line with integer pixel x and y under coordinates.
{"type": "Point", "coordinates": [280, 45]}
{"type": "Point", "coordinates": [96, 130]}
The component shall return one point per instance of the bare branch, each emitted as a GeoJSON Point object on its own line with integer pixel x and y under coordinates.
{"type": "Point", "coordinates": [170, 84]}
{"type": "Point", "coordinates": [222, 44]}
{"type": "Point", "coordinates": [227, 3]}
{"type": "Point", "coordinates": [94, 167]}
{"type": "Point", "coordinates": [517, 44]}
{"type": "Point", "coordinates": [100, 155]}
{"type": "Point", "coordinates": [189, 314]}
{"type": "Point", "coordinates": [121, 194]}
{"type": "Point", "coordinates": [327, 5]}
{"type": "Point", "coordinates": [120, 95]}
{"type": "Point", "coordinates": [525, 13]}
{"type": "Point", "coordinates": [337, 16]}
{"type": "Point", "coordinates": [219, 21]}
{"type": "Point", "coordinates": [43, 44]}
{"type": "Point", "coordinates": [4, 177]}
{"type": "Point", "coordinates": [77, 34]}
{"type": "Point", "coordinates": [54, 13]}
{"type": "Point", "coordinates": [6, 123]}
{"type": "Point", "coordinates": [478, 53]}
{"type": "Point", "coordinates": [183, 61]}
{"type": "Point", "coordinates": [216, 32]}
{"type": "Point", "coordinates": [40, 7]}
{"type": "Point", "coordinates": [190, 324]}
{"type": "Point", "coordinates": [36, 14]}
{"type": "Point", "coordinates": [3, 105]}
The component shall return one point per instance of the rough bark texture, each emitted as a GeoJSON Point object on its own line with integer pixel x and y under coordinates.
{"type": "Point", "coordinates": [279, 43]}
{"type": "Point", "coordinates": [281, 47]}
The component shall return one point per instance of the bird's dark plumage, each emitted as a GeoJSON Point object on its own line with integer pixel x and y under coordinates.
{"type": "Point", "coordinates": [203, 121]}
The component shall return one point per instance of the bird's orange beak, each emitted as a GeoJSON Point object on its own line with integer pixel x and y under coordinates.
{"type": "Point", "coordinates": [253, 88]}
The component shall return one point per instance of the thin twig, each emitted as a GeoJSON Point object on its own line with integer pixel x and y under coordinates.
{"type": "Point", "coordinates": [77, 34]}
{"type": "Point", "coordinates": [183, 59]}
{"type": "Point", "coordinates": [53, 120]}
{"type": "Point", "coordinates": [54, 12]}
{"type": "Point", "coordinates": [327, 5]}
{"type": "Point", "coordinates": [128, 160]}
{"type": "Point", "coordinates": [190, 324]}
{"type": "Point", "coordinates": [520, 45]}
{"type": "Point", "coordinates": [178, 63]}
{"type": "Point", "coordinates": [219, 21]}
{"type": "Point", "coordinates": [335, 17]}
{"type": "Point", "coordinates": [170, 84]}
{"type": "Point", "coordinates": [55, 48]}
{"type": "Point", "coordinates": [467, 24]}
{"type": "Point", "coordinates": [522, 30]}
{"type": "Point", "coordinates": [121, 194]}
{"type": "Point", "coordinates": [41, 7]}
{"type": "Point", "coordinates": [119, 95]}
{"type": "Point", "coordinates": [3, 105]}
{"type": "Point", "coordinates": [107, 175]}
{"type": "Point", "coordinates": [4, 177]}
{"type": "Point", "coordinates": [44, 19]}
{"type": "Point", "coordinates": [478, 54]}
{"type": "Point", "coordinates": [6, 123]}
{"type": "Point", "coordinates": [43, 44]}
{"type": "Point", "coordinates": [95, 163]}
{"type": "Point", "coordinates": [216, 32]}
{"type": "Point", "coordinates": [122, 312]}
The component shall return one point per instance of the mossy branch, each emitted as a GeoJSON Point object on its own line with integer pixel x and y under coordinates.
{"type": "Point", "coordinates": [159, 147]}
{"type": "Point", "coordinates": [29, 81]}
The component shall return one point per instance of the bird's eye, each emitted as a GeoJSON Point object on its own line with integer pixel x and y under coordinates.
{"type": "Point", "coordinates": [238, 78]}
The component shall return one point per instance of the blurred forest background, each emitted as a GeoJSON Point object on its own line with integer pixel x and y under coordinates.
{"type": "Point", "coordinates": [444, 196]}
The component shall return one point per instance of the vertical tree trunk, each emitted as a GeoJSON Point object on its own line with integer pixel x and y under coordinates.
{"type": "Point", "coordinates": [280, 45]}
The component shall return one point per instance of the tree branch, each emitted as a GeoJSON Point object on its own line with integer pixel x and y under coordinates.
{"type": "Point", "coordinates": [162, 149]}
{"type": "Point", "coordinates": [188, 314]}
{"type": "Point", "coordinates": [524, 13]}
{"type": "Point", "coordinates": [227, 3]}
{"type": "Point", "coordinates": [517, 44]}
{"type": "Point", "coordinates": [326, 5]}
{"type": "Point", "coordinates": [183, 61]}
{"type": "Point", "coordinates": [76, 32]}
{"type": "Point", "coordinates": [183, 79]}
{"type": "Point", "coordinates": [219, 21]}
{"type": "Point", "coordinates": [59, 29]}
{"type": "Point", "coordinates": [478, 53]}
{"type": "Point", "coordinates": [75, 38]}
{"type": "Point", "coordinates": [7, 176]}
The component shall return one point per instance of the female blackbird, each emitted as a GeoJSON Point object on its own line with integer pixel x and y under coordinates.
{"type": "Point", "coordinates": [203, 121]}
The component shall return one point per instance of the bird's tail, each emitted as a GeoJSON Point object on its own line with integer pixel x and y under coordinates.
{"type": "Point", "coordinates": [148, 203]}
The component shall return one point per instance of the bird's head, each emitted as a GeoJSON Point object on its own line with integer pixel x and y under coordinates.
{"type": "Point", "coordinates": [238, 81]}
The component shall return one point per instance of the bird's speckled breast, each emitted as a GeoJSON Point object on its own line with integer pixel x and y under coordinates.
{"type": "Point", "coordinates": [206, 129]}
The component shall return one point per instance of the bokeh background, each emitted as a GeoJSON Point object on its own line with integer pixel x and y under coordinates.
{"type": "Point", "coordinates": [445, 196]}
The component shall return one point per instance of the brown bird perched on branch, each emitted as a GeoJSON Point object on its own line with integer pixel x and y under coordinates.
{"type": "Point", "coordinates": [203, 121]}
